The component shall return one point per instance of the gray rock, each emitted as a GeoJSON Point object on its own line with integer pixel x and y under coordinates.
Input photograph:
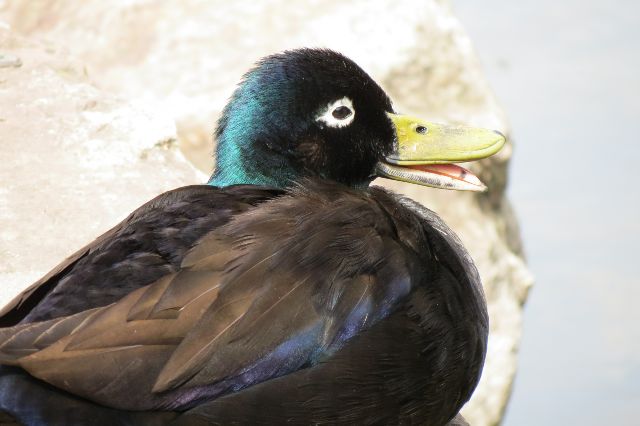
{"type": "Point", "coordinates": [74, 161]}
{"type": "Point", "coordinates": [7, 61]}
{"type": "Point", "coordinates": [184, 58]}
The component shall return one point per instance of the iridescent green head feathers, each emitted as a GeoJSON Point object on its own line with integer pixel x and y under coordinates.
{"type": "Point", "coordinates": [278, 126]}
{"type": "Point", "coordinates": [315, 113]}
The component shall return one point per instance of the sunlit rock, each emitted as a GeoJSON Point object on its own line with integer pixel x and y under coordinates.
{"type": "Point", "coordinates": [74, 160]}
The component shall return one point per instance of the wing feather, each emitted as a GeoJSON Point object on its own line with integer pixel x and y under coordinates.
{"type": "Point", "coordinates": [281, 286]}
{"type": "Point", "coordinates": [143, 306]}
{"type": "Point", "coordinates": [150, 243]}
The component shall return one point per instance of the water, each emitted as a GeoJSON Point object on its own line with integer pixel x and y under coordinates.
{"type": "Point", "coordinates": [568, 75]}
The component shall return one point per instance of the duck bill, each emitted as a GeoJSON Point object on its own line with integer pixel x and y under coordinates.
{"type": "Point", "coordinates": [425, 153]}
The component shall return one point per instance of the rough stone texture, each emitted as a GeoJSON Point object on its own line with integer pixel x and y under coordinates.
{"type": "Point", "coordinates": [185, 57]}
{"type": "Point", "coordinates": [74, 160]}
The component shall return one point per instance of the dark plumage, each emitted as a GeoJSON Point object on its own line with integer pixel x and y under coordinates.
{"type": "Point", "coordinates": [271, 116]}
{"type": "Point", "coordinates": [304, 298]}
{"type": "Point", "coordinates": [147, 245]}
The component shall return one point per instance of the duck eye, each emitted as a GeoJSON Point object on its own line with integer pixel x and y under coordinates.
{"type": "Point", "coordinates": [341, 112]}
{"type": "Point", "coordinates": [421, 129]}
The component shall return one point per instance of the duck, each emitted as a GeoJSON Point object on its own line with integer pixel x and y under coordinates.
{"type": "Point", "coordinates": [287, 289]}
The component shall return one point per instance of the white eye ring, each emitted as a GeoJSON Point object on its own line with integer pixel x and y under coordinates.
{"type": "Point", "coordinates": [326, 115]}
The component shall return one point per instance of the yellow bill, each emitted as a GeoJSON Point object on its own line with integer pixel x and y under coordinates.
{"type": "Point", "coordinates": [425, 153]}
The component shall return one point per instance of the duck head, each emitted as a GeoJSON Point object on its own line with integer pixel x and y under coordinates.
{"type": "Point", "coordinates": [315, 113]}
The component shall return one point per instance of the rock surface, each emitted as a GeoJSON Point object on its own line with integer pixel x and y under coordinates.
{"type": "Point", "coordinates": [74, 160]}
{"type": "Point", "coordinates": [184, 58]}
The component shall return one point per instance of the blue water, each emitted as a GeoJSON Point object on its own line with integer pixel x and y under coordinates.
{"type": "Point", "coordinates": [568, 75]}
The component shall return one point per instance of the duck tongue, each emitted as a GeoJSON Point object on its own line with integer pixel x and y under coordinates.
{"type": "Point", "coordinates": [452, 171]}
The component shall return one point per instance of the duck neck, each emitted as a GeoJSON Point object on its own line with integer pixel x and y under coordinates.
{"type": "Point", "coordinates": [241, 166]}
{"type": "Point", "coordinates": [247, 138]}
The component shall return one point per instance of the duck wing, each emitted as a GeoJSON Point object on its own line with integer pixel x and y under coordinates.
{"type": "Point", "coordinates": [26, 401]}
{"type": "Point", "coordinates": [148, 244]}
{"type": "Point", "coordinates": [32, 402]}
{"type": "Point", "coordinates": [279, 288]}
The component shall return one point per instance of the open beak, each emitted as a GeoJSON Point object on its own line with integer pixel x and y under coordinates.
{"type": "Point", "coordinates": [425, 153]}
